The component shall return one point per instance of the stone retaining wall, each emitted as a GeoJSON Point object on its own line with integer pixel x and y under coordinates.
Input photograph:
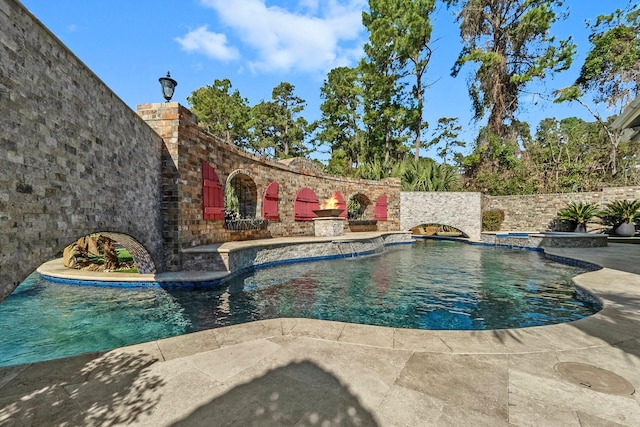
{"type": "Point", "coordinates": [74, 158]}
{"type": "Point", "coordinates": [537, 212]}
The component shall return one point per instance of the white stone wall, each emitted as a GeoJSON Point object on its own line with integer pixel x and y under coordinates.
{"type": "Point", "coordinates": [460, 210]}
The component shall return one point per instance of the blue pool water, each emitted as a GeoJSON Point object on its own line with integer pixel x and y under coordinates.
{"type": "Point", "coordinates": [429, 285]}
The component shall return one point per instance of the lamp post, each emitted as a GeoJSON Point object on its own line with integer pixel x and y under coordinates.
{"type": "Point", "coordinates": [168, 86]}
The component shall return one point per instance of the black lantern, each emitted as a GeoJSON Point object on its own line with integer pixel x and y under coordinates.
{"type": "Point", "coordinates": [168, 86]}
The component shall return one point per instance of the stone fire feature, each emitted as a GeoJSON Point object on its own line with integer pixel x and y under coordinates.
{"type": "Point", "coordinates": [328, 223]}
{"type": "Point", "coordinates": [328, 226]}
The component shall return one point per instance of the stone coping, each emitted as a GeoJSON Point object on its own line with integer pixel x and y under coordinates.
{"type": "Point", "coordinates": [56, 269]}
{"type": "Point", "coordinates": [227, 247]}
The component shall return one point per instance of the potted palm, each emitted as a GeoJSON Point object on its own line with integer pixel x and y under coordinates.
{"type": "Point", "coordinates": [621, 214]}
{"type": "Point", "coordinates": [578, 214]}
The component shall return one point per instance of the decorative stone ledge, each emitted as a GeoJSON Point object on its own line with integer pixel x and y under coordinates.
{"type": "Point", "coordinates": [544, 239]}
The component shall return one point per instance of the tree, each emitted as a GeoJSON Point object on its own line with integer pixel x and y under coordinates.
{"type": "Point", "coordinates": [222, 112]}
{"type": "Point", "coordinates": [341, 117]}
{"type": "Point", "coordinates": [611, 72]}
{"type": "Point", "coordinates": [263, 129]}
{"type": "Point", "coordinates": [385, 113]}
{"type": "Point", "coordinates": [567, 155]}
{"type": "Point", "coordinates": [509, 41]}
{"type": "Point", "coordinates": [275, 130]}
{"type": "Point", "coordinates": [292, 129]}
{"type": "Point", "coordinates": [446, 137]}
{"type": "Point", "coordinates": [400, 36]}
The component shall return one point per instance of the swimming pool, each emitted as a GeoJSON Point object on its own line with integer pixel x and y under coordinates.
{"type": "Point", "coordinates": [429, 285]}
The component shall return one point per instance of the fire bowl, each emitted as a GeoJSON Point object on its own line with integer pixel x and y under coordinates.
{"type": "Point", "coordinates": [327, 213]}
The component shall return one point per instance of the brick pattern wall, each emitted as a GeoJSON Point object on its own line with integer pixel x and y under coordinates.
{"type": "Point", "coordinates": [537, 212]}
{"type": "Point", "coordinates": [74, 159]}
{"type": "Point", "coordinates": [187, 146]}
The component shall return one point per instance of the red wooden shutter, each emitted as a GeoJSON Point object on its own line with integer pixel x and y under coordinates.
{"type": "Point", "coordinates": [305, 203]}
{"type": "Point", "coordinates": [380, 210]}
{"type": "Point", "coordinates": [270, 202]}
{"type": "Point", "coordinates": [212, 194]}
{"type": "Point", "coordinates": [341, 204]}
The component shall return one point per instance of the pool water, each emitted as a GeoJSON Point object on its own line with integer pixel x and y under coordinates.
{"type": "Point", "coordinates": [429, 285]}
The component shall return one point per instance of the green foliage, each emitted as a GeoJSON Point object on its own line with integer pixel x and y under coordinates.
{"type": "Point", "coordinates": [510, 42]}
{"type": "Point", "coordinates": [231, 202]}
{"type": "Point", "coordinates": [568, 155]}
{"type": "Point", "coordinates": [400, 38]}
{"type": "Point", "coordinates": [124, 255]}
{"type": "Point", "coordinates": [578, 213]}
{"type": "Point", "coordinates": [496, 165]}
{"type": "Point", "coordinates": [611, 73]}
{"type": "Point", "coordinates": [374, 170]}
{"type": "Point", "coordinates": [426, 175]}
{"type": "Point", "coordinates": [340, 123]}
{"type": "Point", "coordinates": [611, 67]}
{"type": "Point", "coordinates": [355, 209]}
{"type": "Point", "coordinates": [446, 137]}
{"type": "Point", "coordinates": [621, 211]}
{"type": "Point", "coordinates": [222, 112]}
{"type": "Point", "coordinates": [492, 220]}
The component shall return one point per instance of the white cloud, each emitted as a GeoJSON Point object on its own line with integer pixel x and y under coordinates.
{"type": "Point", "coordinates": [211, 44]}
{"type": "Point", "coordinates": [311, 37]}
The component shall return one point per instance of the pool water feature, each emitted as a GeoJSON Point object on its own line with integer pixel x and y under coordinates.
{"type": "Point", "coordinates": [429, 285]}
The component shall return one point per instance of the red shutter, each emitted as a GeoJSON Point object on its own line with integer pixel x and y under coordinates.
{"type": "Point", "coordinates": [380, 210]}
{"type": "Point", "coordinates": [212, 194]}
{"type": "Point", "coordinates": [304, 205]}
{"type": "Point", "coordinates": [341, 204]}
{"type": "Point", "coordinates": [270, 202]}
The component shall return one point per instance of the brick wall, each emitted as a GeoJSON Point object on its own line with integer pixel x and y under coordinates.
{"type": "Point", "coordinates": [74, 159]}
{"type": "Point", "coordinates": [187, 146]}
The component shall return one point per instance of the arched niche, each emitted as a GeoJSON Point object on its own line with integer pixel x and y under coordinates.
{"type": "Point", "coordinates": [241, 194]}
{"type": "Point", "coordinates": [357, 207]}
{"type": "Point", "coordinates": [140, 256]}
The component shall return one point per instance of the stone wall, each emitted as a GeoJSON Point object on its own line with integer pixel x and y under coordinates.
{"type": "Point", "coordinates": [74, 159]}
{"type": "Point", "coordinates": [460, 210]}
{"type": "Point", "coordinates": [537, 212]}
{"type": "Point", "coordinates": [187, 145]}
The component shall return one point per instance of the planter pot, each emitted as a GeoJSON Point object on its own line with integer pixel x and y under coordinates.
{"type": "Point", "coordinates": [625, 229]}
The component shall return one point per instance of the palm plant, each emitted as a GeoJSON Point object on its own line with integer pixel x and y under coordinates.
{"type": "Point", "coordinates": [621, 212]}
{"type": "Point", "coordinates": [579, 213]}
{"type": "Point", "coordinates": [427, 175]}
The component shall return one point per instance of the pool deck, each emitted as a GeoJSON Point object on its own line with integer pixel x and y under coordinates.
{"type": "Point", "coordinates": [301, 372]}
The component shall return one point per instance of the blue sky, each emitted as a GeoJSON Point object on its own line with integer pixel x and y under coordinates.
{"type": "Point", "coordinates": [257, 44]}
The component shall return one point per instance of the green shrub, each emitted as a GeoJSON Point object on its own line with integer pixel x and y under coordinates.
{"type": "Point", "coordinates": [621, 211]}
{"type": "Point", "coordinates": [124, 255]}
{"type": "Point", "coordinates": [492, 220]}
{"type": "Point", "coordinates": [579, 213]}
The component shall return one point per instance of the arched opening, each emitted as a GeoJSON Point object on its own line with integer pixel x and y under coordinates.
{"type": "Point", "coordinates": [240, 196]}
{"type": "Point", "coordinates": [357, 207]}
{"type": "Point", "coordinates": [360, 214]}
{"type": "Point", "coordinates": [107, 251]}
{"type": "Point", "coordinates": [437, 230]}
